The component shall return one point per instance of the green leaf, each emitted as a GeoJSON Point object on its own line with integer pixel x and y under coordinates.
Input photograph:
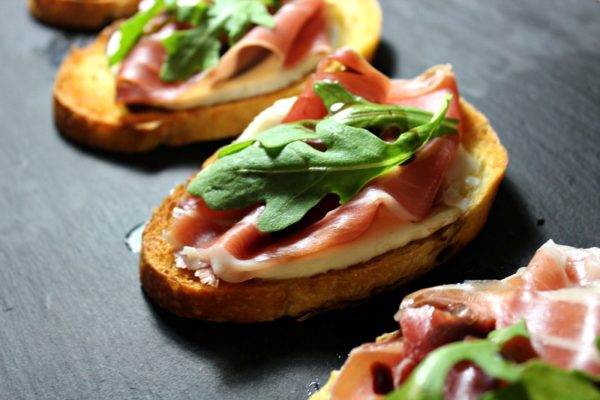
{"type": "Point", "coordinates": [290, 177]}
{"type": "Point", "coordinates": [427, 381]}
{"type": "Point", "coordinates": [541, 381]}
{"type": "Point", "coordinates": [366, 114]}
{"type": "Point", "coordinates": [335, 96]}
{"type": "Point", "coordinates": [273, 140]}
{"type": "Point", "coordinates": [240, 15]}
{"type": "Point", "coordinates": [193, 15]}
{"type": "Point", "coordinates": [235, 147]}
{"type": "Point", "coordinates": [198, 49]}
{"type": "Point", "coordinates": [534, 380]}
{"type": "Point", "coordinates": [501, 336]}
{"type": "Point", "coordinates": [171, 5]}
{"type": "Point", "coordinates": [189, 52]}
{"type": "Point", "coordinates": [129, 32]}
{"type": "Point", "coordinates": [402, 118]}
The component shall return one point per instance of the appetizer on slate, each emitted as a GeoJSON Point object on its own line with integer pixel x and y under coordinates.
{"type": "Point", "coordinates": [532, 336]}
{"type": "Point", "coordinates": [81, 14]}
{"type": "Point", "coordinates": [177, 73]}
{"type": "Point", "coordinates": [354, 187]}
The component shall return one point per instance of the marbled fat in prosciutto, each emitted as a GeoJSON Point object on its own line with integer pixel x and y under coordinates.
{"type": "Point", "coordinates": [557, 294]}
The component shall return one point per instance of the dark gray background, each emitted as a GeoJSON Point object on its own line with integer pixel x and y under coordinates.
{"type": "Point", "coordinates": [74, 322]}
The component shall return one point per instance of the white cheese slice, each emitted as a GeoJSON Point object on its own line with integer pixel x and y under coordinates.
{"type": "Point", "coordinates": [266, 77]}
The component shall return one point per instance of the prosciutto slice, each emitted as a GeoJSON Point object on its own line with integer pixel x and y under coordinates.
{"type": "Point", "coordinates": [557, 294]}
{"type": "Point", "coordinates": [239, 251]}
{"type": "Point", "coordinates": [300, 29]}
{"type": "Point", "coordinates": [352, 72]}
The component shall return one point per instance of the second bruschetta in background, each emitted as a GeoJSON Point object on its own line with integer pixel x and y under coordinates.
{"type": "Point", "coordinates": [534, 335]}
{"type": "Point", "coordinates": [175, 74]}
{"type": "Point", "coordinates": [81, 14]}
{"type": "Point", "coordinates": [356, 186]}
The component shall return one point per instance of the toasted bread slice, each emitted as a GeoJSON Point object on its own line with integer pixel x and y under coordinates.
{"type": "Point", "coordinates": [180, 292]}
{"type": "Point", "coordinates": [84, 95]}
{"type": "Point", "coordinates": [81, 14]}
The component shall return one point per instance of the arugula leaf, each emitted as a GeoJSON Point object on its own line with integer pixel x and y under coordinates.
{"type": "Point", "coordinates": [290, 177]}
{"type": "Point", "coordinates": [198, 49]}
{"type": "Point", "coordinates": [541, 381]}
{"type": "Point", "coordinates": [273, 140]}
{"type": "Point", "coordinates": [335, 96]}
{"type": "Point", "coordinates": [382, 116]}
{"type": "Point", "coordinates": [240, 15]}
{"type": "Point", "coordinates": [189, 51]}
{"type": "Point", "coordinates": [533, 380]}
{"type": "Point", "coordinates": [501, 336]}
{"type": "Point", "coordinates": [363, 114]}
{"type": "Point", "coordinates": [122, 41]}
{"type": "Point", "coordinates": [366, 114]}
{"type": "Point", "coordinates": [193, 15]}
{"type": "Point", "coordinates": [427, 381]}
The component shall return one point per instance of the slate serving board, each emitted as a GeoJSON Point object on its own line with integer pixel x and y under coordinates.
{"type": "Point", "coordinates": [74, 322]}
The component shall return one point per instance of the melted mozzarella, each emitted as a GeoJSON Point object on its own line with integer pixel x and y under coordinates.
{"type": "Point", "coordinates": [268, 118]}
{"type": "Point", "coordinates": [339, 257]}
{"type": "Point", "coordinates": [266, 77]}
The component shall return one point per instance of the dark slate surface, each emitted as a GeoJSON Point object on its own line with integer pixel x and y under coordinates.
{"type": "Point", "coordinates": [74, 322]}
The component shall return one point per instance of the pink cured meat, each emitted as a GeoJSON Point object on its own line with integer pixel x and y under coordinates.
{"type": "Point", "coordinates": [351, 71]}
{"type": "Point", "coordinates": [564, 324]}
{"type": "Point", "coordinates": [426, 92]}
{"type": "Point", "coordinates": [412, 188]}
{"type": "Point", "coordinates": [389, 353]}
{"type": "Point", "coordinates": [558, 295]}
{"type": "Point", "coordinates": [300, 27]}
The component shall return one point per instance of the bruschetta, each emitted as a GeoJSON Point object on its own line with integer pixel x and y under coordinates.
{"type": "Point", "coordinates": [309, 208]}
{"type": "Point", "coordinates": [175, 74]}
{"type": "Point", "coordinates": [81, 14]}
{"type": "Point", "coordinates": [533, 335]}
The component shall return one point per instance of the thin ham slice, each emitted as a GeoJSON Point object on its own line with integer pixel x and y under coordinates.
{"type": "Point", "coordinates": [561, 313]}
{"type": "Point", "coordinates": [351, 71]}
{"type": "Point", "coordinates": [558, 295]}
{"type": "Point", "coordinates": [564, 324]}
{"type": "Point", "coordinates": [431, 163]}
{"type": "Point", "coordinates": [388, 353]}
{"type": "Point", "coordinates": [417, 92]}
{"type": "Point", "coordinates": [405, 194]}
{"type": "Point", "coordinates": [299, 25]}
{"type": "Point", "coordinates": [300, 28]}
{"type": "Point", "coordinates": [138, 77]}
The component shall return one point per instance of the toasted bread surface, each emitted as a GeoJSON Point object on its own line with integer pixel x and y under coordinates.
{"type": "Point", "coordinates": [178, 291]}
{"type": "Point", "coordinates": [81, 14]}
{"type": "Point", "coordinates": [84, 95]}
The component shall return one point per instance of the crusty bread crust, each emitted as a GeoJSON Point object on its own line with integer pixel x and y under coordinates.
{"type": "Point", "coordinates": [84, 95]}
{"type": "Point", "coordinates": [178, 291]}
{"type": "Point", "coordinates": [81, 14]}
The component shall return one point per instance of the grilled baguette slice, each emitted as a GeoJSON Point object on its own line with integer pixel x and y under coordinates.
{"type": "Point", "coordinates": [81, 14]}
{"type": "Point", "coordinates": [84, 95]}
{"type": "Point", "coordinates": [178, 291]}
